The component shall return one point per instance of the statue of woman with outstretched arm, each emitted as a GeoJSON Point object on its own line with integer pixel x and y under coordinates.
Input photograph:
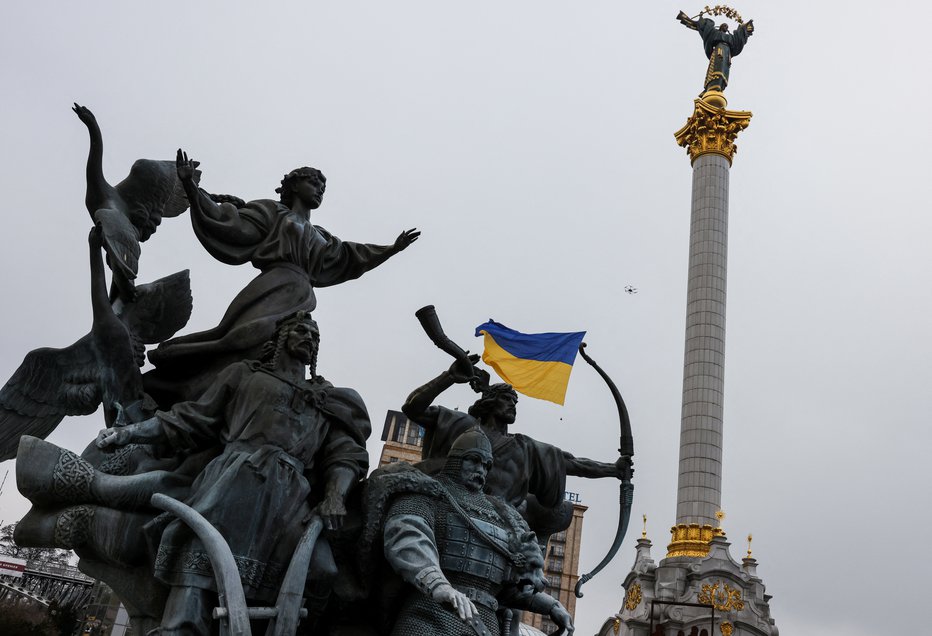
{"type": "Point", "coordinates": [293, 255]}
{"type": "Point", "coordinates": [720, 46]}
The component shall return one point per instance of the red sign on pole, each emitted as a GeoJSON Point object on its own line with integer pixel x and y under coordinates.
{"type": "Point", "coordinates": [10, 566]}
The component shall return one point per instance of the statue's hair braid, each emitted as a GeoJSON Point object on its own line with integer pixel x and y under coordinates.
{"type": "Point", "coordinates": [227, 198]}
{"type": "Point", "coordinates": [273, 348]}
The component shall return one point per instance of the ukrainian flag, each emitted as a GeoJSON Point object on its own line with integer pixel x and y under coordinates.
{"type": "Point", "coordinates": [535, 364]}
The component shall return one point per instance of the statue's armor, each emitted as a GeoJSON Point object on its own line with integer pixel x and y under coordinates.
{"type": "Point", "coordinates": [466, 558]}
{"type": "Point", "coordinates": [470, 564]}
{"type": "Point", "coordinates": [463, 551]}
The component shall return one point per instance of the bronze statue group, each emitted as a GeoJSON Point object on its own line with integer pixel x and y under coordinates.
{"type": "Point", "coordinates": [237, 424]}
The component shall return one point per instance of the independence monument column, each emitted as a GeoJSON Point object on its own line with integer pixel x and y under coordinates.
{"type": "Point", "coordinates": [709, 137]}
{"type": "Point", "coordinates": [699, 588]}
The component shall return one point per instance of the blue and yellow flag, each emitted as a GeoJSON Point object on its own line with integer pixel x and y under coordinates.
{"type": "Point", "coordinates": [535, 364]}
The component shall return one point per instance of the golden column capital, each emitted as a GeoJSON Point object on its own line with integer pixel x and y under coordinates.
{"type": "Point", "coordinates": [712, 130]}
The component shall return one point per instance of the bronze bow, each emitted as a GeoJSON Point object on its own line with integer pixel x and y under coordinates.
{"type": "Point", "coordinates": [626, 488]}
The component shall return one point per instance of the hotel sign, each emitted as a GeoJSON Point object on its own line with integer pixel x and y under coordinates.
{"type": "Point", "coordinates": [10, 566]}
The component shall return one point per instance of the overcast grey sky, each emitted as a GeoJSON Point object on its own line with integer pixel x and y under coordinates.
{"type": "Point", "coordinates": [532, 142]}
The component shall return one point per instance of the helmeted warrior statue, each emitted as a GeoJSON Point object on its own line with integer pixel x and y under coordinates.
{"type": "Point", "coordinates": [468, 559]}
{"type": "Point", "coordinates": [528, 474]}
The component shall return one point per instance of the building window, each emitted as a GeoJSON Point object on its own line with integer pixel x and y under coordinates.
{"type": "Point", "coordinates": [555, 564]}
{"type": "Point", "coordinates": [400, 426]}
{"type": "Point", "coordinates": [415, 436]}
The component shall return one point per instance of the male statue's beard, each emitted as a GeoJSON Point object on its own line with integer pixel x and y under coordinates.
{"type": "Point", "coordinates": [303, 353]}
{"type": "Point", "coordinates": [474, 483]}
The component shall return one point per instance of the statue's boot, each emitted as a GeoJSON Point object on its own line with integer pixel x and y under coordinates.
{"type": "Point", "coordinates": [92, 531]}
{"type": "Point", "coordinates": [316, 596]}
{"type": "Point", "coordinates": [188, 612]}
{"type": "Point", "coordinates": [318, 586]}
{"type": "Point", "coordinates": [47, 475]}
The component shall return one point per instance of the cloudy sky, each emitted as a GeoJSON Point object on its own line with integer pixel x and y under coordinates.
{"type": "Point", "coordinates": [532, 142]}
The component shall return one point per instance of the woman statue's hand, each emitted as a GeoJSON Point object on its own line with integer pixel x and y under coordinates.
{"type": "Point", "coordinates": [405, 238]}
{"type": "Point", "coordinates": [185, 166]}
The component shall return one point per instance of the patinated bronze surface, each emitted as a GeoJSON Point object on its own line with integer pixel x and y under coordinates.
{"type": "Point", "coordinates": [719, 45]}
{"type": "Point", "coordinates": [469, 558]}
{"type": "Point", "coordinates": [229, 424]}
{"type": "Point", "coordinates": [261, 461]}
{"type": "Point", "coordinates": [293, 255]}
{"type": "Point", "coordinates": [529, 474]}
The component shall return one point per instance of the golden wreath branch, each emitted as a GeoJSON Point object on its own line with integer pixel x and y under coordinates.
{"type": "Point", "coordinates": [721, 9]}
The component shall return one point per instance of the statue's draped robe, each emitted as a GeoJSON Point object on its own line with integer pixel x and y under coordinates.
{"type": "Point", "coordinates": [720, 47]}
{"type": "Point", "coordinates": [294, 257]}
{"type": "Point", "coordinates": [279, 442]}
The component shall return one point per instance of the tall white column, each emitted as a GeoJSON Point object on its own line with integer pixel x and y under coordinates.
{"type": "Point", "coordinates": [700, 467]}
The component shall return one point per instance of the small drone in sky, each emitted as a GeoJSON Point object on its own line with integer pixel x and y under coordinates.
{"type": "Point", "coordinates": [630, 289]}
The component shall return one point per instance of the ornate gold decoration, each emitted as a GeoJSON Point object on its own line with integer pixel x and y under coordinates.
{"type": "Point", "coordinates": [691, 540]}
{"type": "Point", "coordinates": [712, 130]}
{"type": "Point", "coordinates": [633, 597]}
{"type": "Point", "coordinates": [726, 628]}
{"type": "Point", "coordinates": [750, 538]}
{"type": "Point", "coordinates": [644, 531]}
{"type": "Point", "coordinates": [720, 515]}
{"type": "Point", "coordinates": [721, 9]}
{"type": "Point", "coordinates": [724, 599]}
{"type": "Point", "coordinates": [616, 625]}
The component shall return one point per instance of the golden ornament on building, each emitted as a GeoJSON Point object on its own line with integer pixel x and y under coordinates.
{"type": "Point", "coordinates": [712, 129]}
{"type": "Point", "coordinates": [691, 540]}
{"type": "Point", "coordinates": [721, 596]}
{"type": "Point", "coordinates": [726, 628]}
{"type": "Point", "coordinates": [633, 597]}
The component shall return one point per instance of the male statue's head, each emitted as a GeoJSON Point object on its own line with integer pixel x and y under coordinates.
{"type": "Point", "coordinates": [470, 459]}
{"type": "Point", "coordinates": [297, 336]}
{"type": "Point", "coordinates": [306, 185]}
{"type": "Point", "coordinates": [497, 404]}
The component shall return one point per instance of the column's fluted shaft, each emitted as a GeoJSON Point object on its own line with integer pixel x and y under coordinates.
{"type": "Point", "coordinates": [700, 467]}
